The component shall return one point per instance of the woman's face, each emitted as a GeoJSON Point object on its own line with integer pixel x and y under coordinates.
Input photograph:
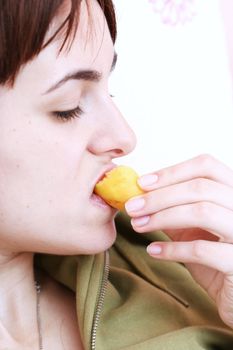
{"type": "Point", "coordinates": [49, 164]}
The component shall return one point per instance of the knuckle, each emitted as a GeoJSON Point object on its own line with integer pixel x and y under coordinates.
{"type": "Point", "coordinates": [149, 198]}
{"type": "Point", "coordinates": [206, 161]}
{"type": "Point", "coordinates": [169, 173]}
{"type": "Point", "coordinates": [202, 211]}
{"type": "Point", "coordinates": [199, 186]}
{"type": "Point", "coordinates": [198, 249]}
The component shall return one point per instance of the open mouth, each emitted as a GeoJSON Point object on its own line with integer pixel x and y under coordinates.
{"type": "Point", "coordinates": [96, 199]}
{"type": "Point", "coordinates": [102, 177]}
{"type": "Point", "coordinates": [106, 173]}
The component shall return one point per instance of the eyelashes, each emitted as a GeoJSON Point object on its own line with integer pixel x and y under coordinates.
{"type": "Point", "coordinates": [71, 113]}
{"type": "Point", "coordinates": [68, 115]}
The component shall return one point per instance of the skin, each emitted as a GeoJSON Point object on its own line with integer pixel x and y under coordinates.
{"type": "Point", "coordinates": [48, 170]}
{"type": "Point", "coordinates": [193, 203]}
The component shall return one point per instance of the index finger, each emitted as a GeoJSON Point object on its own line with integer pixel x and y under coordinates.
{"type": "Point", "coordinates": [202, 166]}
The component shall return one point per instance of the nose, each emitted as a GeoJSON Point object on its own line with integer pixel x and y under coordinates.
{"type": "Point", "coordinates": [112, 137]}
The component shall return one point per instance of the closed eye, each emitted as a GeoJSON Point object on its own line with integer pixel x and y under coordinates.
{"type": "Point", "coordinates": [69, 114]}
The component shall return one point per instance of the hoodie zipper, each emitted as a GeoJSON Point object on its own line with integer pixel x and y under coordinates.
{"type": "Point", "coordinates": [100, 300]}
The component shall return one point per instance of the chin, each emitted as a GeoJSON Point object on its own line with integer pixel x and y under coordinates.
{"type": "Point", "coordinates": [105, 237]}
{"type": "Point", "coordinates": [93, 240]}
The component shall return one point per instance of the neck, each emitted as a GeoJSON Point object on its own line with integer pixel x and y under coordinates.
{"type": "Point", "coordinates": [17, 298]}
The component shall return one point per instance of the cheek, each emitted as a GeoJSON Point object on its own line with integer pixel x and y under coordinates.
{"type": "Point", "coordinates": [36, 174]}
{"type": "Point", "coordinates": [39, 195]}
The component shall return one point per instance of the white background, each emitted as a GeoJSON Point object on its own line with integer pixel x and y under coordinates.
{"type": "Point", "coordinates": [173, 84]}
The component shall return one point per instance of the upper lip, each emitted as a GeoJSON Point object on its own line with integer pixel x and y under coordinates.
{"type": "Point", "coordinates": [103, 172]}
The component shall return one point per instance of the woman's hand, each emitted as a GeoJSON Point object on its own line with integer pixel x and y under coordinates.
{"type": "Point", "coordinates": [193, 203]}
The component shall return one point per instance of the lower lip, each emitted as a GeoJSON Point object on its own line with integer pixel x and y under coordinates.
{"type": "Point", "coordinates": [99, 202]}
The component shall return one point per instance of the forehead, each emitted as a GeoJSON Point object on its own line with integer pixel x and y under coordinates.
{"type": "Point", "coordinates": [92, 48]}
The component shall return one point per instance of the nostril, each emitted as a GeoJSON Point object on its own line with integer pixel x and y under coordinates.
{"type": "Point", "coordinates": [118, 151]}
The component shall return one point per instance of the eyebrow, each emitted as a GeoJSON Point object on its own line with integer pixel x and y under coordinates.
{"type": "Point", "coordinates": [87, 75]}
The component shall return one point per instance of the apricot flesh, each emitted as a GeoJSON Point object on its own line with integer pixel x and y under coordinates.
{"type": "Point", "coordinates": [118, 186]}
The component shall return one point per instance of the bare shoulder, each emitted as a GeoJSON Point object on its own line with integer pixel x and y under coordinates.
{"type": "Point", "coordinates": [58, 316]}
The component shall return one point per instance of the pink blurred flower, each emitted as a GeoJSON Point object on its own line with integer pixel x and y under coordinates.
{"type": "Point", "coordinates": [174, 12]}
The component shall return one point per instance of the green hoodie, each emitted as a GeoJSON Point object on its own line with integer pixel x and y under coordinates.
{"type": "Point", "coordinates": [127, 300]}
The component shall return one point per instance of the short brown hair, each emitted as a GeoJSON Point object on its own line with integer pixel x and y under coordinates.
{"type": "Point", "coordinates": [24, 24]}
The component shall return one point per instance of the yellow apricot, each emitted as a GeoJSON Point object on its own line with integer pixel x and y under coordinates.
{"type": "Point", "coordinates": [118, 185]}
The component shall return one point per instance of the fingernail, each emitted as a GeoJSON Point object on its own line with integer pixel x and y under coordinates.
{"type": "Point", "coordinates": [148, 180]}
{"type": "Point", "coordinates": [135, 204]}
{"type": "Point", "coordinates": [154, 249]}
{"type": "Point", "coordinates": [143, 220]}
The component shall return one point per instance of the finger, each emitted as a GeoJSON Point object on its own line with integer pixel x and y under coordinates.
{"type": "Point", "coordinates": [193, 191]}
{"type": "Point", "coordinates": [204, 215]}
{"type": "Point", "coordinates": [190, 234]}
{"type": "Point", "coordinates": [216, 255]}
{"type": "Point", "coordinates": [201, 166]}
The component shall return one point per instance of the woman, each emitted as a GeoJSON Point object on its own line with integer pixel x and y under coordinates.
{"type": "Point", "coordinates": [59, 132]}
